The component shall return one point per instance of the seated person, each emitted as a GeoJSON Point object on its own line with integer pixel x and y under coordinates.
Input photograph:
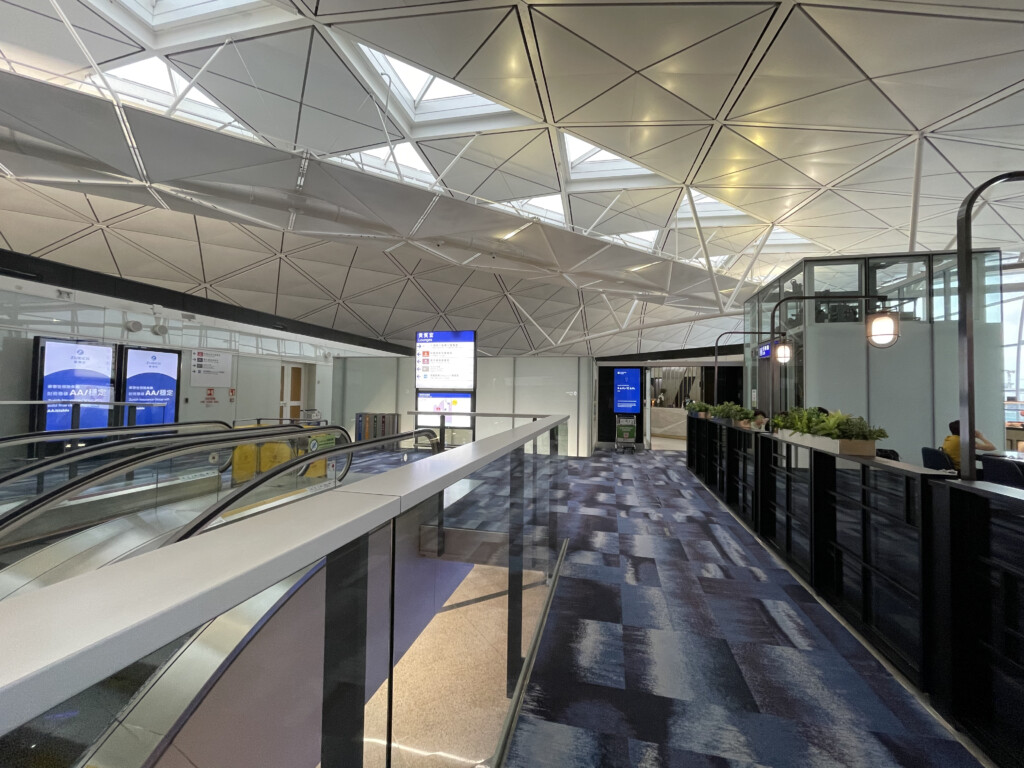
{"type": "Point", "coordinates": [951, 445]}
{"type": "Point", "coordinates": [760, 417]}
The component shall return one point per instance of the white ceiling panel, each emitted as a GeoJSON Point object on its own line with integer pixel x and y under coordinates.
{"type": "Point", "coordinates": [501, 69]}
{"type": "Point", "coordinates": [441, 42]}
{"type": "Point", "coordinates": [575, 71]}
{"type": "Point", "coordinates": [882, 43]}
{"type": "Point", "coordinates": [806, 116]}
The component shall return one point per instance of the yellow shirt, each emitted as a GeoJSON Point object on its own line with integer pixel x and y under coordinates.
{"type": "Point", "coordinates": [951, 447]}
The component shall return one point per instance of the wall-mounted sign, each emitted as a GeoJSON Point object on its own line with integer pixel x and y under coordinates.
{"type": "Point", "coordinates": [78, 372]}
{"type": "Point", "coordinates": [765, 350]}
{"type": "Point", "coordinates": [151, 377]}
{"type": "Point", "coordinates": [211, 368]}
{"type": "Point", "coordinates": [446, 360]}
{"type": "Point", "coordinates": [446, 403]}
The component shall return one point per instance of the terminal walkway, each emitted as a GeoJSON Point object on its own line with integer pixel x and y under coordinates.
{"type": "Point", "coordinates": [675, 639]}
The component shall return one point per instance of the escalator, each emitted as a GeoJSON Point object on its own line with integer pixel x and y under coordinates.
{"type": "Point", "coordinates": [145, 490]}
{"type": "Point", "coordinates": [130, 718]}
{"type": "Point", "coordinates": [44, 474]}
{"type": "Point", "coordinates": [20, 451]}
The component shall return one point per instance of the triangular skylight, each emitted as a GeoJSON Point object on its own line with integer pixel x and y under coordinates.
{"type": "Point", "coordinates": [401, 162]}
{"type": "Point", "coordinates": [712, 212]}
{"type": "Point", "coordinates": [424, 95]}
{"type": "Point", "coordinates": [547, 208]}
{"type": "Point", "coordinates": [588, 161]}
{"type": "Point", "coordinates": [154, 85]}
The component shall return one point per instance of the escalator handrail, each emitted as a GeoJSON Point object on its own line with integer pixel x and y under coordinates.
{"type": "Point", "coordinates": [132, 463]}
{"type": "Point", "coordinates": [53, 462]}
{"type": "Point", "coordinates": [222, 505]}
{"type": "Point", "coordinates": [27, 438]}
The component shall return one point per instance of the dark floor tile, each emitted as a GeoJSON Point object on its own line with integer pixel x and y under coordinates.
{"type": "Point", "coordinates": [575, 651]}
{"type": "Point", "coordinates": [816, 687]}
{"type": "Point", "coordinates": [921, 752]}
{"type": "Point", "coordinates": [587, 599]}
{"type": "Point", "coordinates": [641, 571]}
{"type": "Point", "coordinates": [540, 744]}
{"type": "Point", "coordinates": [644, 607]}
{"type": "Point", "coordinates": [683, 665]}
{"type": "Point", "coordinates": [642, 545]}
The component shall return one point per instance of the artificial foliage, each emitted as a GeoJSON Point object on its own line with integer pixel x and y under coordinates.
{"type": "Point", "coordinates": [836, 425]}
{"type": "Point", "coordinates": [731, 411]}
{"type": "Point", "coordinates": [696, 406]}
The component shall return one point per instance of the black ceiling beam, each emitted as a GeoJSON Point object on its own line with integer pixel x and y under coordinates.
{"type": "Point", "coordinates": [34, 269]}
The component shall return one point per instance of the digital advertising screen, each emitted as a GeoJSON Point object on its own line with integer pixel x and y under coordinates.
{"type": "Point", "coordinates": [151, 377]}
{"type": "Point", "coordinates": [75, 371]}
{"type": "Point", "coordinates": [627, 390]}
{"type": "Point", "coordinates": [446, 360]}
{"type": "Point", "coordinates": [447, 403]}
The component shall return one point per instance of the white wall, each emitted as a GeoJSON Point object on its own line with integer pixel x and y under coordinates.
{"type": "Point", "coordinates": [533, 385]}
{"type": "Point", "coordinates": [368, 385]}
{"type": "Point", "coordinates": [912, 388]}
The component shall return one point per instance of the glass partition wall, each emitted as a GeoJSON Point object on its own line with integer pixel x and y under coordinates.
{"type": "Point", "coordinates": [407, 646]}
{"type": "Point", "coordinates": [911, 388]}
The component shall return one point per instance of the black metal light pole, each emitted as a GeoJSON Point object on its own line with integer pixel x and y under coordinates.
{"type": "Point", "coordinates": [727, 333]}
{"type": "Point", "coordinates": [965, 323]}
{"type": "Point", "coordinates": [782, 336]}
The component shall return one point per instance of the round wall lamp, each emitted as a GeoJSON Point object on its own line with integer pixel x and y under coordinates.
{"type": "Point", "coordinates": [883, 329]}
{"type": "Point", "coordinates": [784, 352]}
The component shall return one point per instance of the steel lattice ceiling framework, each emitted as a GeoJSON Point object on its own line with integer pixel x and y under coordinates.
{"type": "Point", "coordinates": [692, 149]}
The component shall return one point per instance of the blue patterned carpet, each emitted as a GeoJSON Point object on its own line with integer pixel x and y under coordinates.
{"type": "Point", "coordinates": [674, 640]}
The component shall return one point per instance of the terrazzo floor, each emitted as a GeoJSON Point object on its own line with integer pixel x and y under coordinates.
{"type": "Point", "coordinates": [675, 640]}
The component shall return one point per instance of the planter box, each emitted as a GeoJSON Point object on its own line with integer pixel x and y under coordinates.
{"type": "Point", "coordinates": [828, 444]}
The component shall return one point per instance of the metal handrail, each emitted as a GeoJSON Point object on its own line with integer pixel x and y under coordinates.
{"type": "Point", "coordinates": [42, 502]}
{"type": "Point", "coordinates": [480, 414]}
{"type": "Point", "coordinates": [965, 322]}
{"type": "Point", "coordinates": [84, 434]}
{"type": "Point", "coordinates": [129, 609]}
{"type": "Point", "coordinates": [221, 506]}
{"type": "Point", "coordinates": [88, 452]}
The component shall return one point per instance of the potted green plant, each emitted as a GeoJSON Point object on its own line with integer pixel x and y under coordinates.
{"type": "Point", "coordinates": [698, 408]}
{"type": "Point", "coordinates": [835, 432]}
{"type": "Point", "coordinates": [732, 413]}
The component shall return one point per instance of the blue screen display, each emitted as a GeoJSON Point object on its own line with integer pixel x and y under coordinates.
{"type": "Point", "coordinates": [450, 337]}
{"type": "Point", "coordinates": [151, 377]}
{"type": "Point", "coordinates": [627, 390]}
{"type": "Point", "coordinates": [74, 371]}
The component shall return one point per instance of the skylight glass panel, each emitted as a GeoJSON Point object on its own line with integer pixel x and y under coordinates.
{"type": "Point", "coordinates": [406, 165]}
{"type": "Point", "coordinates": [587, 160]}
{"type": "Point", "coordinates": [412, 78]}
{"type": "Point", "coordinates": [547, 208]}
{"type": "Point", "coordinates": [551, 203]}
{"type": "Point", "coordinates": [576, 148]}
{"type": "Point", "coordinates": [781, 236]}
{"type": "Point", "coordinates": [442, 89]}
{"type": "Point", "coordinates": [646, 237]}
{"type": "Point", "coordinates": [152, 84]}
{"type": "Point", "coordinates": [408, 157]}
{"type": "Point", "coordinates": [150, 72]}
